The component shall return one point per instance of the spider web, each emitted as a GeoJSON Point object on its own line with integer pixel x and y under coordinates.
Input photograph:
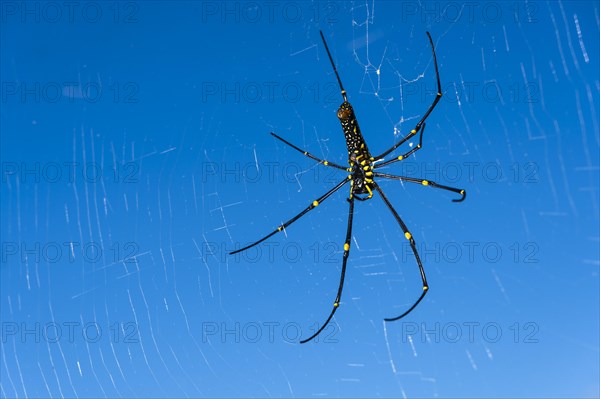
{"type": "Point", "coordinates": [119, 211]}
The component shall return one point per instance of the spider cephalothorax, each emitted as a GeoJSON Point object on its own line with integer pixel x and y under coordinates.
{"type": "Point", "coordinates": [361, 176]}
{"type": "Point", "coordinates": [352, 133]}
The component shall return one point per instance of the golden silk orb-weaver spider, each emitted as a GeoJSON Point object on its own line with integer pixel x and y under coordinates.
{"type": "Point", "coordinates": [362, 174]}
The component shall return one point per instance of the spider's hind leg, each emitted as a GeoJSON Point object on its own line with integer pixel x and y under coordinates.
{"type": "Point", "coordinates": [411, 240]}
{"type": "Point", "coordinates": [338, 297]}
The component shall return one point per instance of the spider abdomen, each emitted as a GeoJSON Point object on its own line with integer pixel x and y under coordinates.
{"type": "Point", "coordinates": [362, 172]}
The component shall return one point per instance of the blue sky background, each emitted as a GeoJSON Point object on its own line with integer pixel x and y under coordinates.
{"type": "Point", "coordinates": [136, 154]}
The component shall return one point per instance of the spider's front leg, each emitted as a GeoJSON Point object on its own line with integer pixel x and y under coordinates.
{"type": "Point", "coordinates": [308, 154]}
{"type": "Point", "coordinates": [420, 126]}
{"type": "Point", "coordinates": [409, 153]}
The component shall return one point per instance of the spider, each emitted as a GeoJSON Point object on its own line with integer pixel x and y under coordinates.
{"type": "Point", "coordinates": [362, 173]}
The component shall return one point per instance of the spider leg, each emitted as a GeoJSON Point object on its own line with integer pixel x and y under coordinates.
{"type": "Point", "coordinates": [431, 107]}
{"type": "Point", "coordinates": [403, 156]}
{"type": "Point", "coordinates": [313, 205]}
{"type": "Point", "coordinates": [423, 182]}
{"type": "Point", "coordinates": [410, 238]}
{"type": "Point", "coordinates": [336, 303]}
{"type": "Point", "coordinates": [311, 156]}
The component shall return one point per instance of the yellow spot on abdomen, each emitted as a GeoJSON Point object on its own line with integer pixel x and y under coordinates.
{"type": "Point", "coordinates": [425, 288]}
{"type": "Point", "coordinates": [425, 183]}
{"type": "Point", "coordinates": [325, 163]}
{"type": "Point", "coordinates": [408, 235]}
{"type": "Point", "coordinates": [315, 203]}
{"type": "Point", "coordinates": [400, 158]}
{"type": "Point", "coordinates": [346, 247]}
{"type": "Point", "coordinates": [413, 131]}
{"type": "Point", "coordinates": [336, 304]}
